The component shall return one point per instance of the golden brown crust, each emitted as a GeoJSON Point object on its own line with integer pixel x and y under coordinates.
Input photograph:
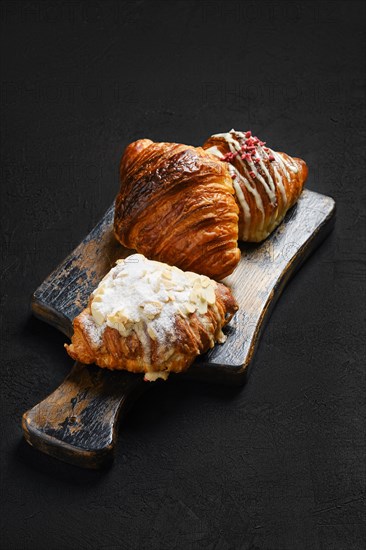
{"type": "Point", "coordinates": [265, 212]}
{"type": "Point", "coordinates": [193, 335]}
{"type": "Point", "coordinates": [176, 204]}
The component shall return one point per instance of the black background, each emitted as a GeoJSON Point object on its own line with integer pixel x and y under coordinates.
{"type": "Point", "coordinates": [278, 464]}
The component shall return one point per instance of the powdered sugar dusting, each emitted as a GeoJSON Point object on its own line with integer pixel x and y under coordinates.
{"type": "Point", "coordinates": [94, 331]}
{"type": "Point", "coordinates": [144, 296]}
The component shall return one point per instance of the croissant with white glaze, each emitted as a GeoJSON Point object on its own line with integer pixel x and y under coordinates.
{"type": "Point", "coordinates": [267, 183]}
{"type": "Point", "coordinates": [177, 205]}
{"type": "Point", "coordinates": [146, 316]}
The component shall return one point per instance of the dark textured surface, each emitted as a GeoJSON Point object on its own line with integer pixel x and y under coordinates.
{"type": "Point", "coordinates": [278, 465]}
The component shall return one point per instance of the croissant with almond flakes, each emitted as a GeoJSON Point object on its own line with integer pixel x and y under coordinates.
{"type": "Point", "coordinates": [177, 205]}
{"type": "Point", "coordinates": [146, 316]}
{"type": "Point", "coordinates": [267, 183]}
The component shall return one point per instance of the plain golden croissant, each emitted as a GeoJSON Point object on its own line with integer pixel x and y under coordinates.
{"type": "Point", "coordinates": [146, 316]}
{"type": "Point", "coordinates": [267, 183]}
{"type": "Point", "coordinates": [177, 205]}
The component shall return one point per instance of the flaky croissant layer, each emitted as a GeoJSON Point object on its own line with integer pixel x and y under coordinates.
{"type": "Point", "coordinates": [266, 183]}
{"type": "Point", "coordinates": [176, 204]}
{"type": "Point", "coordinates": [146, 316]}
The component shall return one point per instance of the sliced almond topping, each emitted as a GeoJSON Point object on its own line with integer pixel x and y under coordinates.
{"type": "Point", "coordinates": [118, 317]}
{"type": "Point", "coordinates": [119, 326]}
{"type": "Point", "coordinates": [191, 308]}
{"type": "Point", "coordinates": [205, 281]}
{"type": "Point", "coordinates": [209, 294]}
{"type": "Point", "coordinates": [169, 285]}
{"type": "Point", "coordinates": [157, 305]}
{"type": "Point", "coordinates": [152, 309]}
{"type": "Point", "coordinates": [150, 316]}
{"type": "Point", "coordinates": [197, 284]}
{"type": "Point", "coordinates": [153, 376]}
{"type": "Point", "coordinates": [183, 310]}
{"type": "Point", "coordinates": [122, 274]}
{"type": "Point", "coordinates": [193, 296]}
{"type": "Point", "coordinates": [100, 291]}
{"type": "Point", "coordinates": [151, 332]}
{"type": "Point", "coordinates": [97, 315]}
{"type": "Point", "coordinates": [221, 337]}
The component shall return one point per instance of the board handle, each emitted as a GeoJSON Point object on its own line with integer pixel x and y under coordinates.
{"type": "Point", "coordinates": [78, 422]}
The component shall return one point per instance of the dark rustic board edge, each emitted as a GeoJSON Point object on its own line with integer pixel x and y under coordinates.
{"type": "Point", "coordinates": [123, 392]}
{"type": "Point", "coordinates": [303, 253]}
{"type": "Point", "coordinates": [199, 370]}
{"type": "Point", "coordinates": [239, 373]}
{"type": "Point", "coordinates": [64, 451]}
{"type": "Point", "coordinates": [44, 311]}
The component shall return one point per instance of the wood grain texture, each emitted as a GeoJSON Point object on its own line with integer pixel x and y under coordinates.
{"type": "Point", "coordinates": [257, 282]}
{"type": "Point", "coordinates": [77, 423]}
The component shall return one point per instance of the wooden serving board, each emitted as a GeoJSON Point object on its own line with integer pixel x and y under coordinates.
{"type": "Point", "coordinates": [78, 422]}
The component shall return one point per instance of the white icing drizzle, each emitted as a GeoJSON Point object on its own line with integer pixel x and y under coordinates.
{"type": "Point", "coordinates": [280, 184]}
{"type": "Point", "coordinates": [245, 179]}
{"type": "Point", "coordinates": [280, 161]}
{"type": "Point", "coordinates": [291, 164]}
{"type": "Point", "coordinates": [144, 296]}
{"type": "Point", "coordinates": [236, 176]}
{"type": "Point", "coordinates": [243, 202]}
{"type": "Point", "coordinates": [252, 189]}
